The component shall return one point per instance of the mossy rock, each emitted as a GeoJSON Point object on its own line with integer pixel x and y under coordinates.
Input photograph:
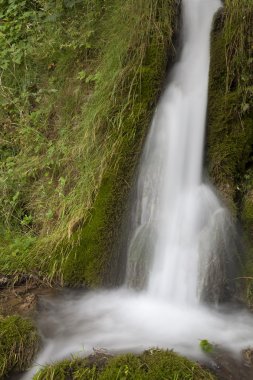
{"type": "Point", "coordinates": [18, 344]}
{"type": "Point", "coordinates": [154, 364]}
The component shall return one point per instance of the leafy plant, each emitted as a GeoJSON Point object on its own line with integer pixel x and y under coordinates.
{"type": "Point", "coordinates": [18, 19]}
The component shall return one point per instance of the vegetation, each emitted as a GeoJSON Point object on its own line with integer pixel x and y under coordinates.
{"type": "Point", "coordinates": [230, 132]}
{"type": "Point", "coordinates": [79, 81]}
{"type": "Point", "coordinates": [230, 136]}
{"type": "Point", "coordinates": [206, 346]}
{"type": "Point", "coordinates": [18, 344]}
{"type": "Point", "coordinates": [151, 365]}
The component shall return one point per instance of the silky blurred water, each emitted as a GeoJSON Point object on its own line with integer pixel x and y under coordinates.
{"type": "Point", "coordinates": [173, 207]}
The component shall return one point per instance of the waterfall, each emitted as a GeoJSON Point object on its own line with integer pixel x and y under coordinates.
{"type": "Point", "coordinates": [183, 240]}
{"type": "Point", "coordinates": [174, 209]}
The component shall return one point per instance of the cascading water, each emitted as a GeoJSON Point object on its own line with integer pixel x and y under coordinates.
{"type": "Point", "coordinates": [174, 209]}
{"type": "Point", "coordinates": [180, 241]}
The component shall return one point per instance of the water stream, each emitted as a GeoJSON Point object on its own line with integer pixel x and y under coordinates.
{"type": "Point", "coordinates": [182, 247]}
{"type": "Point", "coordinates": [177, 217]}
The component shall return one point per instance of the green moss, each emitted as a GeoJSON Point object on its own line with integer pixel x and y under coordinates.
{"type": "Point", "coordinates": [18, 344]}
{"type": "Point", "coordinates": [154, 364]}
{"type": "Point", "coordinates": [247, 221]}
{"type": "Point", "coordinates": [230, 133]}
{"type": "Point", "coordinates": [87, 260]}
{"type": "Point", "coordinates": [247, 212]}
{"type": "Point", "coordinates": [230, 113]}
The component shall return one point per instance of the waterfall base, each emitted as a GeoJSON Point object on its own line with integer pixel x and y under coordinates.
{"type": "Point", "coordinates": [127, 321]}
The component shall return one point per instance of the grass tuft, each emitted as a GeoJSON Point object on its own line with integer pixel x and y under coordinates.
{"type": "Point", "coordinates": [18, 344]}
{"type": "Point", "coordinates": [154, 364]}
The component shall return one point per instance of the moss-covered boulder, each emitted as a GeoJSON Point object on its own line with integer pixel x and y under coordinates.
{"type": "Point", "coordinates": [154, 364]}
{"type": "Point", "coordinates": [18, 344]}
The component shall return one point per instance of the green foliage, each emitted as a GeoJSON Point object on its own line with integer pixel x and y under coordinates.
{"type": "Point", "coordinates": [18, 344]}
{"type": "Point", "coordinates": [133, 81]}
{"type": "Point", "coordinates": [73, 115]}
{"type": "Point", "coordinates": [154, 364]}
{"type": "Point", "coordinates": [16, 247]}
{"type": "Point", "coordinates": [18, 18]}
{"type": "Point", "coordinates": [206, 346]}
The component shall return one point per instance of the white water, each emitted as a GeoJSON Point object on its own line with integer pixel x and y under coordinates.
{"type": "Point", "coordinates": [179, 228]}
{"type": "Point", "coordinates": [174, 207]}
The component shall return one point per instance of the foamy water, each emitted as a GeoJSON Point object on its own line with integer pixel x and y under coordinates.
{"type": "Point", "coordinates": [129, 321]}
